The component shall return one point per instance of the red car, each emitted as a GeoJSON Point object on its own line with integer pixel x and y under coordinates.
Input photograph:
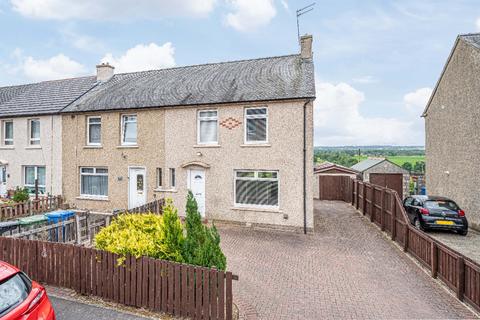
{"type": "Point", "coordinates": [22, 298]}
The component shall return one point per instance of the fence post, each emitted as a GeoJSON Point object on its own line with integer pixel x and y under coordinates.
{"type": "Point", "coordinates": [78, 228]}
{"type": "Point", "coordinates": [364, 198]}
{"type": "Point", "coordinates": [382, 210]}
{"type": "Point", "coordinates": [357, 185]}
{"type": "Point", "coordinates": [461, 278]}
{"type": "Point", "coordinates": [394, 217]}
{"type": "Point", "coordinates": [434, 259]}
{"type": "Point", "coordinates": [373, 208]}
{"type": "Point", "coordinates": [405, 243]}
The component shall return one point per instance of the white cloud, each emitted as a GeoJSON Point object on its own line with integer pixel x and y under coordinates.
{"type": "Point", "coordinates": [365, 80]}
{"type": "Point", "coordinates": [338, 120]}
{"type": "Point", "coordinates": [56, 67]}
{"type": "Point", "coordinates": [249, 15]}
{"type": "Point", "coordinates": [143, 57]}
{"type": "Point", "coordinates": [416, 101]}
{"type": "Point", "coordinates": [477, 24]}
{"type": "Point", "coordinates": [111, 9]}
{"type": "Point", "coordinates": [284, 4]}
{"type": "Point", "coordinates": [82, 41]}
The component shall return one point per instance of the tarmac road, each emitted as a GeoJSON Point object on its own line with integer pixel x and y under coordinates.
{"type": "Point", "coordinates": [74, 310]}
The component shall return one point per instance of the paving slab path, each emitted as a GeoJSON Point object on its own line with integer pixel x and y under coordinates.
{"type": "Point", "coordinates": [347, 269]}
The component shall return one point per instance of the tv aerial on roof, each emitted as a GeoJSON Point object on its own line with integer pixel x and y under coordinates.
{"type": "Point", "coordinates": [301, 12]}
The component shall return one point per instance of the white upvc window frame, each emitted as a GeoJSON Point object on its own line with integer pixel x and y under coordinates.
{"type": "Point", "coordinates": [89, 143]}
{"type": "Point", "coordinates": [31, 140]}
{"type": "Point", "coordinates": [200, 119]}
{"type": "Point", "coordinates": [32, 186]}
{"type": "Point", "coordinates": [245, 119]}
{"type": "Point", "coordinates": [122, 124]}
{"type": "Point", "coordinates": [172, 177]}
{"type": "Point", "coordinates": [5, 140]}
{"type": "Point", "coordinates": [94, 173]}
{"type": "Point", "coordinates": [255, 178]}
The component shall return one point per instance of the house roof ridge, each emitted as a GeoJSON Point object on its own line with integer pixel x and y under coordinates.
{"type": "Point", "coordinates": [45, 81]}
{"type": "Point", "coordinates": [208, 64]}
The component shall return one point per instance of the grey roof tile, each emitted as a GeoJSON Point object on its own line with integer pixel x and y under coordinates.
{"type": "Point", "coordinates": [472, 38]}
{"type": "Point", "coordinates": [274, 78]}
{"type": "Point", "coordinates": [366, 164]}
{"type": "Point", "coordinates": [41, 98]}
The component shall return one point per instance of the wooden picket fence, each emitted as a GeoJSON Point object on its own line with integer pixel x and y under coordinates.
{"type": "Point", "coordinates": [155, 206]}
{"type": "Point", "coordinates": [156, 285]}
{"type": "Point", "coordinates": [384, 208]}
{"type": "Point", "coordinates": [30, 207]}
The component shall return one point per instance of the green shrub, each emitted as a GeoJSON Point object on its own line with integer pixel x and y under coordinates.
{"type": "Point", "coordinates": [202, 244]}
{"type": "Point", "coordinates": [149, 235]}
{"type": "Point", "coordinates": [21, 195]}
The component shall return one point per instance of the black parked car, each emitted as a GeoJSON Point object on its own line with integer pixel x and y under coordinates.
{"type": "Point", "coordinates": [439, 213]}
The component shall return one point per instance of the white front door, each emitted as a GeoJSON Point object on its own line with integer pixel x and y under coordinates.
{"type": "Point", "coordinates": [196, 184]}
{"type": "Point", "coordinates": [3, 180]}
{"type": "Point", "coordinates": [137, 184]}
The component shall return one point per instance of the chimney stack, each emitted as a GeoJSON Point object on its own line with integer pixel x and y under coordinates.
{"type": "Point", "coordinates": [104, 72]}
{"type": "Point", "coordinates": [306, 46]}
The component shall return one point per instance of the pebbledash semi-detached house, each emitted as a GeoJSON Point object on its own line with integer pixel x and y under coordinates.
{"type": "Point", "coordinates": [238, 134]}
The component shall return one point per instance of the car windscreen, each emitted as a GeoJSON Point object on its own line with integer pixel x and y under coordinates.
{"type": "Point", "coordinates": [13, 291]}
{"type": "Point", "coordinates": [441, 204]}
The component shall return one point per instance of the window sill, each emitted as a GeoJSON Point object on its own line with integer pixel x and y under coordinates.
{"type": "Point", "coordinates": [92, 198]}
{"type": "Point", "coordinates": [256, 145]}
{"type": "Point", "coordinates": [172, 190]}
{"type": "Point", "coordinates": [133, 146]}
{"type": "Point", "coordinates": [7, 147]}
{"type": "Point", "coordinates": [33, 147]}
{"type": "Point", "coordinates": [93, 147]}
{"type": "Point", "coordinates": [207, 146]}
{"type": "Point", "coordinates": [258, 209]}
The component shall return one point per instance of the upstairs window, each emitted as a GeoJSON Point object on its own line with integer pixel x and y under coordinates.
{"type": "Point", "coordinates": [207, 127]}
{"type": "Point", "coordinates": [34, 132]}
{"type": "Point", "coordinates": [129, 130]}
{"type": "Point", "coordinates": [256, 188]}
{"type": "Point", "coordinates": [32, 173]}
{"type": "Point", "coordinates": [256, 125]}
{"type": "Point", "coordinates": [7, 133]}
{"type": "Point", "coordinates": [94, 131]}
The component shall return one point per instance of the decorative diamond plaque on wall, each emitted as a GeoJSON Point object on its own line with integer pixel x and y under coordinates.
{"type": "Point", "coordinates": [230, 123]}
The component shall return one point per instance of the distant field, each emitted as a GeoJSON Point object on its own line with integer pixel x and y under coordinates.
{"type": "Point", "coordinates": [400, 160]}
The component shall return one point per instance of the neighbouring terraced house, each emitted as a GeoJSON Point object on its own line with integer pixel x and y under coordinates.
{"type": "Point", "coordinates": [238, 134]}
{"type": "Point", "coordinates": [452, 126]}
{"type": "Point", "coordinates": [31, 133]}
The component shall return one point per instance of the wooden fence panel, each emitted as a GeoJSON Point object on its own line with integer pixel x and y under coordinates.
{"type": "Point", "coordinates": [156, 285]}
{"type": "Point", "coordinates": [420, 246]}
{"type": "Point", "coordinates": [35, 206]}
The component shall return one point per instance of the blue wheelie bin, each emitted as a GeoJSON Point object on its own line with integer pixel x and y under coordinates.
{"type": "Point", "coordinates": [56, 217]}
{"type": "Point", "coordinates": [7, 226]}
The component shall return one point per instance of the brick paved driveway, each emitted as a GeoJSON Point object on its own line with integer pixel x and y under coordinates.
{"type": "Point", "coordinates": [346, 270]}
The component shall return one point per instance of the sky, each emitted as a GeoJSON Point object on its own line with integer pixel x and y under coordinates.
{"type": "Point", "coordinates": [376, 62]}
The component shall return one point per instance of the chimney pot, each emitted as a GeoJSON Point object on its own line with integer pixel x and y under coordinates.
{"type": "Point", "coordinates": [104, 71]}
{"type": "Point", "coordinates": [306, 46]}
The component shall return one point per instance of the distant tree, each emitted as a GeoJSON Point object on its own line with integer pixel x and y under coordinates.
{"type": "Point", "coordinates": [419, 167]}
{"type": "Point", "coordinates": [407, 166]}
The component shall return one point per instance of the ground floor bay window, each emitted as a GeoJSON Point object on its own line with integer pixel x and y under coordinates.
{"type": "Point", "coordinates": [256, 188]}
{"type": "Point", "coordinates": [94, 182]}
{"type": "Point", "coordinates": [32, 173]}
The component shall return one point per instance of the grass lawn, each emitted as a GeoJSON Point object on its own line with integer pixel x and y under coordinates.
{"type": "Point", "coordinates": [400, 160]}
